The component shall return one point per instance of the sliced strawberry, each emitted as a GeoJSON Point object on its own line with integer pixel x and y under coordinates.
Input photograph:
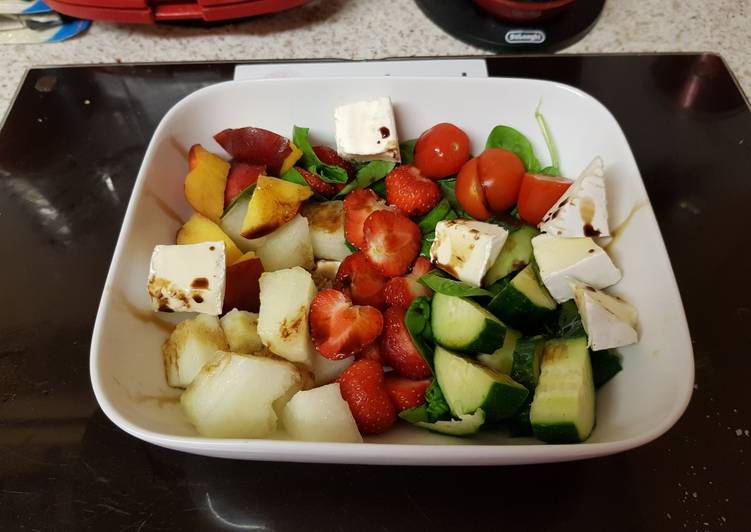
{"type": "Point", "coordinates": [241, 176]}
{"type": "Point", "coordinates": [406, 393]}
{"type": "Point", "coordinates": [414, 194]}
{"type": "Point", "coordinates": [362, 387]}
{"type": "Point", "coordinates": [397, 348]}
{"type": "Point", "coordinates": [401, 291]}
{"type": "Point", "coordinates": [358, 205]}
{"type": "Point", "coordinates": [358, 279]}
{"type": "Point", "coordinates": [317, 184]}
{"type": "Point", "coordinates": [340, 329]}
{"type": "Point", "coordinates": [328, 155]}
{"type": "Point", "coordinates": [372, 352]}
{"type": "Point", "coordinates": [392, 242]}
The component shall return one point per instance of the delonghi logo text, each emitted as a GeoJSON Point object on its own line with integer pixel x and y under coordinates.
{"type": "Point", "coordinates": [525, 36]}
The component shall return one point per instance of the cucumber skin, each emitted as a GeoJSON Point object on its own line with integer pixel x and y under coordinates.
{"type": "Point", "coordinates": [507, 399]}
{"type": "Point", "coordinates": [520, 425]}
{"type": "Point", "coordinates": [513, 307]}
{"type": "Point", "coordinates": [556, 432]}
{"type": "Point", "coordinates": [523, 368]}
{"type": "Point", "coordinates": [456, 427]}
{"type": "Point", "coordinates": [606, 364]}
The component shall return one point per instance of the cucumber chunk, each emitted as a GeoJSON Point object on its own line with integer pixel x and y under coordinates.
{"type": "Point", "coordinates": [463, 325]}
{"type": "Point", "coordinates": [606, 364]}
{"type": "Point", "coordinates": [526, 361]}
{"type": "Point", "coordinates": [515, 254]}
{"type": "Point", "coordinates": [524, 303]}
{"type": "Point", "coordinates": [467, 386]}
{"type": "Point", "coordinates": [502, 359]}
{"type": "Point", "coordinates": [563, 408]}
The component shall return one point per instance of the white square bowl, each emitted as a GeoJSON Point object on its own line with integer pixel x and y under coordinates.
{"type": "Point", "coordinates": [640, 404]}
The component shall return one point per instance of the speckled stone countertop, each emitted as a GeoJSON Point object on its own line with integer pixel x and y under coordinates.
{"type": "Point", "coordinates": [363, 29]}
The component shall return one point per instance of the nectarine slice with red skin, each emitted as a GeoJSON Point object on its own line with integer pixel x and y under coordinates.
{"type": "Point", "coordinates": [254, 145]}
{"type": "Point", "coordinates": [241, 289]}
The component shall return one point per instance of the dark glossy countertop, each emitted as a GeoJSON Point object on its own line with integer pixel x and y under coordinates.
{"type": "Point", "coordinates": [70, 149]}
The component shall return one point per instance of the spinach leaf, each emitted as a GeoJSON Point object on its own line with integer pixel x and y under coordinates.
{"type": "Point", "coordinates": [436, 406]}
{"type": "Point", "coordinates": [379, 188]}
{"type": "Point", "coordinates": [555, 163]}
{"type": "Point", "coordinates": [418, 414]}
{"type": "Point", "coordinates": [407, 150]}
{"type": "Point", "coordinates": [366, 175]}
{"type": "Point", "coordinates": [427, 243]}
{"type": "Point", "coordinates": [417, 323]}
{"type": "Point", "coordinates": [510, 139]}
{"type": "Point", "coordinates": [448, 189]}
{"type": "Point", "coordinates": [351, 247]}
{"type": "Point", "coordinates": [328, 172]}
{"type": "Point", "coordinates": [439, 282]}
{"type": "Point", "coordinates": [565, 323]}
{"type": "Point", "coordinates": [442, 211]}
{"type": "Point", "coordinates": [551, 171]}
{"type": "Point", "coordinates": [293, 176]}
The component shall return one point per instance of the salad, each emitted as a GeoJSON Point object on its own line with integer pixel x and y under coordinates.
{"type": "Point", "coordinates": [340, 291]}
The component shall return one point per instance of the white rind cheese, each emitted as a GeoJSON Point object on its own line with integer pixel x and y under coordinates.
{"type": "Point", "coordinates": [583, 209]}
{"type": "Point", "coordinates": [188, 278]}
{"type": "Point", "coordinates": [562, 260]}
{"type": "Point", "coordinates": [366, 131]}
{"type": "Point", "coordinates": [609, 321]}
{"type": "Point", "coordinates": [467, 249]}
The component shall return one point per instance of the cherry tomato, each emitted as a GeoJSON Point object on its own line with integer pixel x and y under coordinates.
{"type": "Point", "coordinates": [469, 192]}
{"type": "Point", "coordinates": [501, 172]}
{"type": "Point", "coordinates": [538, 194]}
{"type": "Point", "coordinates": [441, 151]}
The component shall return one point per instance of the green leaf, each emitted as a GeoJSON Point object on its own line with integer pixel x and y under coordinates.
{"type": "Point", "coordinates": [417, 323]}
{"type": "Point", "coordinates": [367, 175]}
{"type": "Point", "coordinates": [551, 171]}
{"type": "Point", "coordinates": [555, 162]}
{"type": "Point", "coordinates": [427, 242]}
{"type": "Point", "coordinates": [566, 323]}
{"type": "Point", "coordinates": [510, 139]}
{"type": "Point", "coordinates": [439, 282]}
{"type": "Point", "coordinates": [508, 222]}
{"type": "Point", "coordinates": [247, 191]}
{"type": "Point", "coordinates": [448, 189]}
{"type": "Point", "coordinates": [293, 176]}
{"type": "Point", "coordinates": [327, 172]}
{"type": "Point", "coordinates": [418, 414]}
{"type": "Point", "coordinates": [379, 188]}
{"type": "Point", "coordinates": [442, 211]}
{"type": "Point", "coordinates": [436, 406]}
{"type": "Point", "coordinates": [407, 149]}
{"type": "Point", "coordinates": [351, 247]}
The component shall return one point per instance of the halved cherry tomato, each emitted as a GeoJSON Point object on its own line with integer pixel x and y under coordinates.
{"type": "Point", "coordinates": [469, 192]}
{"type": "Point", "coordinates": [441, 151]}
{"type": "Point", "coordinates": [501, 172]}
{"type": "Point", "coordinates": [538, 194]}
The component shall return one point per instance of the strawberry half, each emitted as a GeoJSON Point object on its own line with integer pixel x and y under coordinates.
{"type": "Point", "coordinates": [410, 191]}
{"type": "Point", "coordinates": [340, 329]}
{"type": "Point", "coordinates": [241, 176]}
{"type": "Point", "coordinates": [358, 205]}
{"type": "Point", "coordinates": [392, 242]}
{"type": "Point", "coordinates": [328, 155]}
{"type": "Point", "coordinates": [359, 280]}
{"type": "Point", "coordinates": [406, 393]}
{"type": "Point", "coordinates": [397, 348]}
{"type": "Point", "coordinates": [317, 184]}
{"type": "Point", "coordinates": [401, 291]}
{"type": "Point", "coordinates": [362, 387]}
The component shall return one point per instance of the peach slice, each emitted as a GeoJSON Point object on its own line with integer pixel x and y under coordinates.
{"type": "Point", "coordinates": [201, 229]}
{"type": "Point", "coordinates": [206, 181]}
{"type": "Point", "coordinates": [274, 203]}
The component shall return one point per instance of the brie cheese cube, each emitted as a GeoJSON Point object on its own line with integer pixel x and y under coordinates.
{"type": "Point", "coordinates": [562, 260]}
{"type": "Point", "coordinates": [467, 249]}
{"type": "Point", "coordinates": [583, 209]}
{"type": "Point", "coordinates": [188, 278]}
{"type": "Point", "coordinates": [366, 131]}
{"type": "Point", "coordinates": [326, 221]}
{"type": "Point", "coordinates": [609, 321]}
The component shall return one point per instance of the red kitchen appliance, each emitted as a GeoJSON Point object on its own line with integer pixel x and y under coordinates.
{"type": "Point", "coordinates": [151, 11]}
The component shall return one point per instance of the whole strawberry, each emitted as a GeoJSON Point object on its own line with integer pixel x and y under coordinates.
{"type": "Point", "coordinates": [410, 191]}
{"type": "Point", "coordinates": [362, 386]}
